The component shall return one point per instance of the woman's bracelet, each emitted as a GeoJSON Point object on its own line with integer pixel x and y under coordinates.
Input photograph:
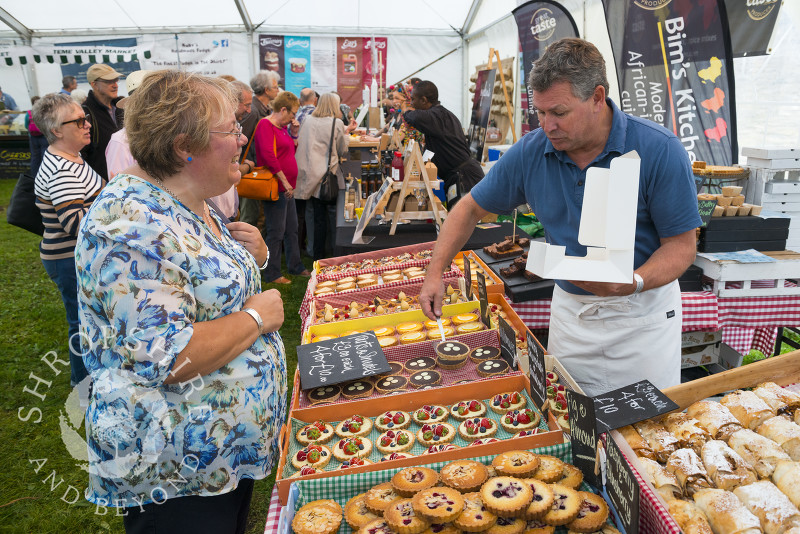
{"type": "Point", "coordinates": [256, 317]}
{"type": "Point", "coordinates": [265, 263]}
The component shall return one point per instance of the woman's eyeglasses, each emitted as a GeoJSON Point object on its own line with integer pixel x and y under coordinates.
{"type": "Point", "coordinates": [237, 131]}
{"type": "Point", "coordinates": [80, 122]}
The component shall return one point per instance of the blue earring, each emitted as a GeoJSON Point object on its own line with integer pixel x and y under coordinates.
{"type": "Point", "coordinates": [189, 158]}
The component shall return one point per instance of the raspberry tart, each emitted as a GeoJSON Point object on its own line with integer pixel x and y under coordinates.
{"type": "Point", "coordinates": [520, 464]}
{"type": "Point", "coordinates": [466, 409]}
{"type": "Point", "coordinates": [517, 420]}
{"type": "Point", "coordinates": [506, 402]}
{"type": "Point", "coordinates": [347, 448]}
{"type": "Point", "coordinates": [316, 432]}
{"type": "Point", "coordinates": [313, 455]}
{"type": "Point", "coordinates": [439, 504]}
{"type": "Point", "coordinates": [592, 514]}
{"type": "Point", "coordinates": [464, 475]}
{"type": "Point", "coordinates": [355, 425]}
{"type": "Point", "coordinates": [400, 516]}
{"type": "Point", "coordinates": [411, 480]}
{"type": "Point", "coordinates": [442, 447]}
{"type": "Point", "coordinates": [395, 456]}
{"type": "Point", "coordinates": [392, 421]}
{"type": "Point", "coordinates": [477, 428]}
{"type": "Point", "coordinates": [542, 499]}
{"type": "Point", "coordinates": [395, 441]}
{"type": "Point", "coordinates": [430, 413]}
{"type": "Point", "coordinates": [435, 433]}
{"type": "Point", "coordinates": [354, 462]}
{"type": "Point", "coordinates": [483, 441]}
{"type": "Point", "coordinates": [506, 496]}
{"type": "Point", "coordinates": [508, 525]}
{"type": "Point", "coordinates": [475, 517]}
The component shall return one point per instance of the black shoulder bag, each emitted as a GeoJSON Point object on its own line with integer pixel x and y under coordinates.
{"type": "Point", "coordinates": [329, 187]}
{"type": "Point", "coordinates": [22, 209]}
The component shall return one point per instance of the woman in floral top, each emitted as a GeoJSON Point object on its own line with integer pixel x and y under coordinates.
{"type": "Point", "coordinates": [189, 369]}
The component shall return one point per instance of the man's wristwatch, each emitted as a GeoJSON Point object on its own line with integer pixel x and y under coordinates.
{"type": "Point", "coordinates": [256, 317]}
{"type": "Point", "coordinates": [639, 283]}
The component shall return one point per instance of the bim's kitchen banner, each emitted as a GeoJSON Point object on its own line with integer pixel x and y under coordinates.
{"type": "Point", "coordinates": [349, 69]}
{"type": "Point", "coordinates": [675, 67]}
{"type": "Point", "coordinates": [751, 23]}
{"type": "Point", "coordinates": [540, 23]}
{"type": "Point", "coordinates": [271, 54]}
{"type": "Point", "coordinates": [297, 54]}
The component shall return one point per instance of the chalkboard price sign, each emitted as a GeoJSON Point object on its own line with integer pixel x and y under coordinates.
{"type": "Point", "coordinates": [468, 276]}
{"type": "Point", "coordinates": [631, 404]}
{"type": "Point", "coordinates": [621, 487]}
{"type": "Point", "coordinates": [536, 371]}
{"type": "Point", "coordinates": [484, 300]}
{"type": "Point", "coordinates": [340, 360]}
{"type": "Point", "coordinates": [583, 434]}
{"type": "Point", "coordinates": [706, 210]}
{"type": "Point", "coordinates": [508, 342]}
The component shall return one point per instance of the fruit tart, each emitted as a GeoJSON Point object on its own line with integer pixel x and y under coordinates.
{"type": "Point", "coordinates": [477, 428]}
{"type": "Point", "coordinates": [347, 448]}
{"type": "Point", "coordinates": [316, 432]}
{"type": "Point", "coordinates": [313, 455]}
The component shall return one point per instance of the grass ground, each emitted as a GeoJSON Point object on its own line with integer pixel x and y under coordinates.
{"type": "Point", "coordinates": [32, 324]}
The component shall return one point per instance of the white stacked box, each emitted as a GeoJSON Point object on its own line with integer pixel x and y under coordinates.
{"type": "Point", "coordinates": [775, 184]}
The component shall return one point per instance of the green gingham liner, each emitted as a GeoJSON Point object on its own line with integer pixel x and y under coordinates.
{"type": "Point", "coordinates": [416, 450]}
{"type": "Point", "coordinates": [343, 488]}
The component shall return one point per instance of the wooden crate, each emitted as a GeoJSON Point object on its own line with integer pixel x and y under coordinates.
{"type": "Point", "coordinates": [723, 271]}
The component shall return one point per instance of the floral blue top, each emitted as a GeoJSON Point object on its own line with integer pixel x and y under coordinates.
{"type": "Point", "coordinates": [148, 269]}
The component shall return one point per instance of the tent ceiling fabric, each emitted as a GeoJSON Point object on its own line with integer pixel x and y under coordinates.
{"type": "Point", "coordinates": [51, 16]}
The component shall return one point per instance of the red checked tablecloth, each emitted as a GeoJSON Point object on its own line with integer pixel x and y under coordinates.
{"type": "Point", "coordinates": [747, 322]}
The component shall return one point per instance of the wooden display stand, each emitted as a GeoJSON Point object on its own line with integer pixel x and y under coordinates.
{"type": "Point", "coordinates": [416, 177]}
{"type": "Point", "coordinates": [502, 111]}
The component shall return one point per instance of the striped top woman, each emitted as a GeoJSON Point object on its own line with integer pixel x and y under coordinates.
{"type": "Point", "coordinates": [65, 188]}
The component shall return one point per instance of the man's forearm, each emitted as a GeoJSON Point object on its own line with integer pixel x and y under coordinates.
{"type": "Point", "coordinates": [456, 230]}
{"type": "Point", "coordinates": [669, 261]}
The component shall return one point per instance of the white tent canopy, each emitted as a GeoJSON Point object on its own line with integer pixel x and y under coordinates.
{"type": "Point", "coordinates": [419, 32]}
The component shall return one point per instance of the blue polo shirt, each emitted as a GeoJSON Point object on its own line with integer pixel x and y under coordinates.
{"type": "Point", "coordinates": [533, 171]}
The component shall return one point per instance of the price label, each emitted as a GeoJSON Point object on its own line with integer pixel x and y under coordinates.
{"type": "Point", "coordinates": [536, 371]}
{"type": "Point", "coordinates": [706, 210]}
{"type": "Point", "coordinates": [583, 434]}
{"type": "Point", "coordinates": [484, 300]}
{"type": "Point", "coordinates": [508, 342]}
{"type": "Point", "coordinates": [631, 404]}
{"type": "Point", "coordinates": [468, 276]}
{"type": "Point", "coordinates": [621, 487]}
{"type": "Point", "coordinates": [340, 360]}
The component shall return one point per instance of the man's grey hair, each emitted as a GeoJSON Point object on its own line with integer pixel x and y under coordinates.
{"type": "Point", "coordinates": [307, 95]}
{"type": "Point", "coordinates": [570, 60]}
{"type": "Point", "coordinates": [240, 88]}
{"type": "Point", "coordinates": [66, 81]}
{"type": "Point", "coordinates": [262, 80]}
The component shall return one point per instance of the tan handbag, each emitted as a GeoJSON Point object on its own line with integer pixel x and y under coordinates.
{"type": "Point", "coordinates": [259, 183]}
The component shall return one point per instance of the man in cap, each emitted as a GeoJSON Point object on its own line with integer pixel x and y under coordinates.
{"type": "Point", "coordinates": [118, 153]}
{"type": "Point", "coordinates": [103, 114]}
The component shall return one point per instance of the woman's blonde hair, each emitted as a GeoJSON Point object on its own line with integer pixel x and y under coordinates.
{"type": "Point", "coordinates": [328, 106]}
{"type": "Point", "coordinates": [287, 100]}
{"type": "Point", "coordinates": [171, 110]}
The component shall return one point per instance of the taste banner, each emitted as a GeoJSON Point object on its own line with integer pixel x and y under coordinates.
{"type": "Point", "coordinates": [540, 23]}
{"type": "Point", "coordinates": [751, 23]}
{"type": "Point", "coordinates": [675, 67]}
{"type": "Point", "coordinates": [349, 69]}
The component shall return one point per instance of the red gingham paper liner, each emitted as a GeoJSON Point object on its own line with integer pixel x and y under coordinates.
{"type": "Point", "coordinates": [388, 292]}
{"type": "Point", "coordinates": [274, 512]}
{"type": "Point", "coordinates": [376, 269]}
{"type": "Point", "coordinates": [403, 353]}
{"type": "Point", "coordinates": [375, 255]}
{"type": "Point", "coordinates": [653, 516]}
{"type": "Point", "coordinates": [359, 293]}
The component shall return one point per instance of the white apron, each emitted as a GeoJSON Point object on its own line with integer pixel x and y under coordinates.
{"type": "Point", "coordinates": [606, 343]}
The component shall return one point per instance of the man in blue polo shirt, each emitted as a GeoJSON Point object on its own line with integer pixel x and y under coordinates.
{"type": "Point", "coordinates": [607, 335]}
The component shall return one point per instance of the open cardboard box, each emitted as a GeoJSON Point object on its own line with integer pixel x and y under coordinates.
{"type": "Point", "coordinates": [496, 285]}
{"type": "Point", "coordinates": [444, 396]}
{"type": "Point", "coordinates": [783, 370]}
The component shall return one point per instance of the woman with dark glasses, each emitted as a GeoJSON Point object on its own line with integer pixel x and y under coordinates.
{"type": "Point", "coordinates": [65, 188]}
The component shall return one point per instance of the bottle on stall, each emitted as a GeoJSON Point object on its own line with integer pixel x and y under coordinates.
{"type": "Point", "coordinates": [398, 171]}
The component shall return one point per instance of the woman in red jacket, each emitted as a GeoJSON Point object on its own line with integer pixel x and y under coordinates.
{"type": "Point", "coordinates": [275, 150]}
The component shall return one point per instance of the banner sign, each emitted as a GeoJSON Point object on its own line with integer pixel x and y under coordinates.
{"type": "Point", "coordinates": [323, 64]}
{"type": "Point", "coordinates": [540, 23]}
{"type": "Point", "coordinates": [208, 54]}
{"type": "Point", "coordinates": [297, 52]}
{"type": "Point", "coordinates": [79, 54]}
{"type": "Point", "coordinates": [380, 46]}
{"type": "Point", "coordinates": [349, 70]}
{"type": "Point", "coordinates": [481, 107]}
{"type": "Point", "coordinates": [751, 23]}
{"type": "Point", "coordinates": [271, 55]}
{"type": "Point", "coordinates": [675, 68]}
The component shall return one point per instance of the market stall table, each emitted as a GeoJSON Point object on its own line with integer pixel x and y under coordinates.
{"type": "Point", "coordinates": [747, 322]}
